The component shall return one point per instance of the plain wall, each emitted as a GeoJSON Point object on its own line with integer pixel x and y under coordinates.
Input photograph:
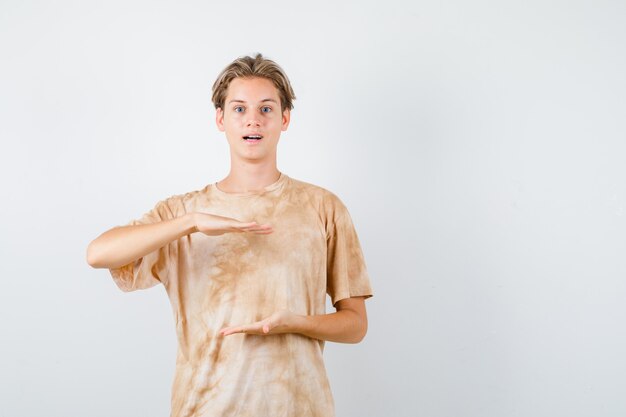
{"type": "Point", "coordinates": [479, 147]}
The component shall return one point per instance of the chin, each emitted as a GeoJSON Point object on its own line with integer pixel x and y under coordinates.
{"type": "Point", "coordinates": [251, 156]}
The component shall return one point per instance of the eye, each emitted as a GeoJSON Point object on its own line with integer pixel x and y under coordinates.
{"type": "Point", "coordinates": [266, 107]}
{"type": "Point", "coordinates": [238, 107]}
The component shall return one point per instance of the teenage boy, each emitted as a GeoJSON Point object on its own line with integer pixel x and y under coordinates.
{"type": "Point", "coordinates": [247, 262]}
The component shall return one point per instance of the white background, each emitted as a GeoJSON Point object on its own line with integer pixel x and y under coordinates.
{"type": "Point", "coordinates": [479, 147]}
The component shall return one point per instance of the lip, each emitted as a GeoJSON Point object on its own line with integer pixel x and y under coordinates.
{"type": "Point", "coordinates": [253, 134]}
{"type": "Point", "coordinates": [252, 142]}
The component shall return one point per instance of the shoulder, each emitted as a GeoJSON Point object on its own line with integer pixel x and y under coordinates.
{"type": "Point", "coordinates": [322, 196]}
{"type": "Point", "coordinates": [178, 204]}
{"type": "Point", "coordinates": [330, 208]}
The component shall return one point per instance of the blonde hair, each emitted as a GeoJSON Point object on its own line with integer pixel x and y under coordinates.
{"type": "Point", "coordinates": [249, 67]}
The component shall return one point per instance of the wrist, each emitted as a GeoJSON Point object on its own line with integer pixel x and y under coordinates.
{"type": "Point", "coordinates": [190, 223]}
{"type": "Point", "coordinates": [299, 324]}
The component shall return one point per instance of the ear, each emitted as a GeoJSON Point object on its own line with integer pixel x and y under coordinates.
{"type": "Point", "coordinates": [219, 119]}
{"type": "Point", "coordinates": [286, 117]}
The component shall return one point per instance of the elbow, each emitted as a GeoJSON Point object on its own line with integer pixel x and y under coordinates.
{"type": "Point", "coordinates": [362, 333]}
{"type": "Point", "coordinates": [98, 254]}
{"type": "Point", "coordinates": [359, 334]}
{"type": "Point", "coordinates": [92, 257]}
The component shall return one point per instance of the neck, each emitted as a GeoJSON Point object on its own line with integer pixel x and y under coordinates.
{"type": "Point", "coordinates": [246, 177]}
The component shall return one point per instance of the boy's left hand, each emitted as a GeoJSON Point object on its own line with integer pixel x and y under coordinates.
{"type": "Point", "coordinates": [282, 321]}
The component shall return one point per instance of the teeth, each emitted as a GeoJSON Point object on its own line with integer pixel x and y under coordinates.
{"type": "Point", "coordinates": [252, 137]}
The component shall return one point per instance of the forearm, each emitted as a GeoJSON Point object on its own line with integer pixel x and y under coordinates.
{"type": "Point", "coordinates": [344, 326]}
{"type": "Point", "coordinates": [124, 244]}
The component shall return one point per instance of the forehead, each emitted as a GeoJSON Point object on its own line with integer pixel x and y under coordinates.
{"type": "Point", "coordinates": [251, 89]}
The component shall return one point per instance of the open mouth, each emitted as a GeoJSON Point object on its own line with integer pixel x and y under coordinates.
{"type": "Point", "coordinates": [253, 137]}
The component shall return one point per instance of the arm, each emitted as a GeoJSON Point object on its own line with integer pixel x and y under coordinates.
{"type": "Point", "coordinates": [347, 325]}
{"type": "Point", "coordinates": [124, 244]}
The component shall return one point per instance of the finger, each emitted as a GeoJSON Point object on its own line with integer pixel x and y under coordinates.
{"type": "Point", "coordinates": [263, 232]}
{"type": "Point", "coordinates": [232, 330]}
{"type": "Point", "coordinates": [246, 224]}
{"type": "Point", "coordinates": [244, 228]}
{"type": "Point", "coordinates": [256, 227]}
{"type": "Point", "coordinates": [261, 227]}
{"type": "Point", "coordinates": [253, 229]}
{"type": "Point", "coordinates": [268, 326]}
{"type": "Point", "coordinates": [255, 328]}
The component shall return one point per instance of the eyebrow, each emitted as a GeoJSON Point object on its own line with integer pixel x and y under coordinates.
{"type": "Point", "coordinates": [262, 101]}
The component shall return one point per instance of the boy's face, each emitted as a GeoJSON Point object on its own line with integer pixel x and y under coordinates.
{"type": "Point", "coordinates": [252, 106]}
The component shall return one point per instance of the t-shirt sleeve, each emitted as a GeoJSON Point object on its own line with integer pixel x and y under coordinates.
{"type": "Point", "coordinates": [152, 268]}
{"type": "Point", "coordinates": [346, 272]}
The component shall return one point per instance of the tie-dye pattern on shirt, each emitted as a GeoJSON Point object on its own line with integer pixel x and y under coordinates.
{"type": "Point", "coordinates": [238, 278]}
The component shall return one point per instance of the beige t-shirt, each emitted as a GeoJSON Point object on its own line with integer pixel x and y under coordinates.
{"type": "Point", "coordinates": [239, 278]}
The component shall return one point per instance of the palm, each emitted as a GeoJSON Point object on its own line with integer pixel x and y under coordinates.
{"type": "Point", "coordinates": [214, 225]}
{"type": "Point", "coordinates": [279, 322]}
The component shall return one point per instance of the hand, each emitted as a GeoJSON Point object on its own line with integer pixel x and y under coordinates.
{"type": "Point", "coordinates": [282, 321]}
{"type": "Point", "coordinates": [213, 225]}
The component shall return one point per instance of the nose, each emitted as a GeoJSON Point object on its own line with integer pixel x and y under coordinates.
{"type": "Point", "coordinates": [253, 122]}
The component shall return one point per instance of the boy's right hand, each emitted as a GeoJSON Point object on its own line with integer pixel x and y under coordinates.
{"type": "Point", "coordinates": [214, 225]}
{"type": "Point", "coordinates": [124, 244]}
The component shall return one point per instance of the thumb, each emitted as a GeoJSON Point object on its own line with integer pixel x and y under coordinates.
{"type": "Point", "coordinates": [245, 224]}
